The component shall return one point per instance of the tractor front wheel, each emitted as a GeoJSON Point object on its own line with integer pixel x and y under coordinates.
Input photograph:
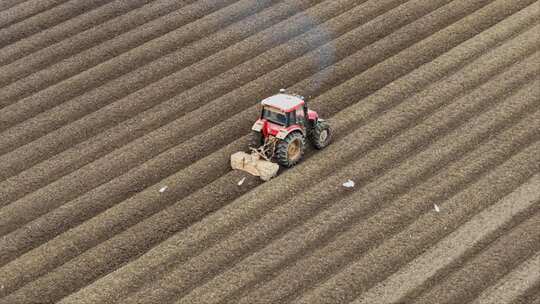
{"type": "Point", "coordinates": [321, 135]}
{"type": "Point", "coordinates": [290, 150]}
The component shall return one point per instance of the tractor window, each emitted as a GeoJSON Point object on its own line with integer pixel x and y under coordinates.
{"type": "Point", "coordinates": [292, 118]}
{"type": "Point", "coordinates": [274, 116]}
{"type": "Point", "coordinates": [300, 116]}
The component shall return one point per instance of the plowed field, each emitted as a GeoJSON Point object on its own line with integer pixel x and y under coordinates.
{"type": "Point", "coordinates": [117, 120]}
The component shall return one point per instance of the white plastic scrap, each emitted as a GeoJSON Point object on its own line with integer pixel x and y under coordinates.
{"type": "Point", "coordinates": [241, 181]}
{"type": "Point", "coordinates": [163, 189]}
{"type": "Point", "coordinates": [348, 184]}
{"type": "Point", "coordinates": [437, 209]}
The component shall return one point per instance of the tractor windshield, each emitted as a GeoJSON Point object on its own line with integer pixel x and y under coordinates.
{"type": "Point", "coordinates": [274, 116]}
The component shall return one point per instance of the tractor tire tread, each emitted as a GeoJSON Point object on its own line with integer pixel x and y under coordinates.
{"type": "Point", "coordinates": [320, 126]}
{"type": "Point", "coordinates": [281, 154]}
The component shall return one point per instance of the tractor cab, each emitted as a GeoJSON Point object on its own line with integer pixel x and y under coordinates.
{"type": "Point", "coordinates": [276, 116]}
{"type": "Point", "coordinates": [284, 112]}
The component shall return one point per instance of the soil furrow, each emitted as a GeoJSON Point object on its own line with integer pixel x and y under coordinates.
{"type": "Point", "coordinates": [360, 171]}
{"type": "Point", "coordinates": [149, 25]}
{"type": "Point", "coordinates": [116, 112]}
{"type": "Point", "coordinates": [426, 230]}
{"type": "Point", "coordinates": [77, 151]}
{"type": "Point", "coordinates": [133, 209]}
{"type": "Point", "coordinates": [441, 191]}
{"type": "Point", "coordinates": [60, 273]}
{"type": "Point", "coordinates": [393, 217]}
{"type": "Point", "coordinates": [118, 118]}
{"type": "Point", "coordinates": [189, 100]}
{"type": "Point", "coordinates": [70, 78]}
{"type": "Point", "coordinates": [290, 274]}
{"type": "Point", "coordinates": [451, 56]}
{"type": "Point", "coordinates": [96, 168]}
{"type": "Point", "coordinates": [409, 59]}
{"type": "Point", "coordinates": [26, 9]}
{"type": "Point", "coordinates": [180, 124]}
{"type": "Point", "coordinates": [503, 255]}
{"type": "Point", "coordinates": [4, 5]}
{"type": "Point", "coordinates": [458, 244]}
{"type": "Point", "coordinates": [446, 183]}
{"type": "Point", "coordinates": [137, 240]}
{"type": "Point", "coordinates": [310, 202]}
{"type": "Point", "coordinates": [74, 26]}
{"type": "Point", "coordinates": [152, 95]}
{"type": "Point", "coordinates": [23, 181]}
{"type": "Point", "coordinates": [531, 296]}
{"type": "Point", "coordinates": [188, 150]}
{"type": "Point", "coordinates": [515, 284]}
{"type": "Point", "coordinates": [54, 217]}
{"type": "Point", "coordinates": [46, 19]}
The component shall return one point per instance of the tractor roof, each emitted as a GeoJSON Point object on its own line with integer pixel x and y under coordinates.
{"type": "Point", "coordinates": [284, 102]}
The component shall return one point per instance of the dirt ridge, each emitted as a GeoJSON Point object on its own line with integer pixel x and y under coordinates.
{"type": "Point", "coordinates": [104, 103]}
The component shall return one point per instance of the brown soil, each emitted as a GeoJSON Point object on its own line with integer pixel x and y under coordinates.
{"type": "Point", "coordinates": [104, 102]}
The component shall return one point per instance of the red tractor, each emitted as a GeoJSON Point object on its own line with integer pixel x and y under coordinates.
{"type": "Point", "coordinates": [280, 134]}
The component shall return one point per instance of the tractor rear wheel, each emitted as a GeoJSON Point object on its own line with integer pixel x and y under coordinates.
{"type": "Point", "coordinates": [321, 135]}
{"type": "Point", "coordinates": [255, 139]}
{"type": "Point", "coordinates": [290, 150]}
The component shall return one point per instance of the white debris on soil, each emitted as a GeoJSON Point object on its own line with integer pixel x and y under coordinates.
{"type": "Point", "coordinates": [348, 184]}
{"type": "Point", "coordinates": [163, 189]}
{"type": "Point", "coordinates": [437, 209]}
{"type": "Point", "coordinates": [241, 181]}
